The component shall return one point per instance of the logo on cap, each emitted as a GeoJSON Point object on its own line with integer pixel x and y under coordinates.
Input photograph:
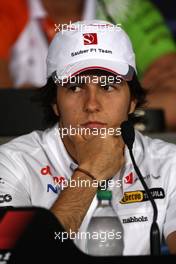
{"type": "Point", "coordinates": [90, 38]}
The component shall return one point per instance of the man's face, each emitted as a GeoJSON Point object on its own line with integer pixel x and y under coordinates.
{"type": "Point", "coordinates": [92, 102]}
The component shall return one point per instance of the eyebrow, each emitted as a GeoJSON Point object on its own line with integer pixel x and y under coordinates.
{"type": "Point", "coordinates": [69, 85]}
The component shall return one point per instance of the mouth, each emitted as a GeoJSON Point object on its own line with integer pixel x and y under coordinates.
{"type": "Point", "coordinates": [94, 124]}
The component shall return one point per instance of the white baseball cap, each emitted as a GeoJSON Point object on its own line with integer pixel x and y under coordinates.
{"type": "Point", "coordinates": [90, 44]}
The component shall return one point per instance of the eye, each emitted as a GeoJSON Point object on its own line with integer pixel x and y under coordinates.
{"type": "Point", "coordinates": [108, 88]}
{"type": "Point", "coordinates": [75, 89]}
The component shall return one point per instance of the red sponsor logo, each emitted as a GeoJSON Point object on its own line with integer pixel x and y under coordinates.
{"type": "Point", "coordinates": [90, 39]}
{"type": "Point", "coordinates": [47, 171]}
{"type": "Point", "coordinates": [129, 178]}
{"type": "Point", "coordinates": [58, 179]}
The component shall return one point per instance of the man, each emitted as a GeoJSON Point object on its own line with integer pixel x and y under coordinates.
{"type": "Point", "coordinates": [35, 167]}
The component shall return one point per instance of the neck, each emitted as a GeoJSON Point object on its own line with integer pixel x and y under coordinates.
{"type": "Point", "coordinates": [70, 148]}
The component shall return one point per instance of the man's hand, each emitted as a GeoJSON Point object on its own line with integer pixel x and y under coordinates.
{"type": "Point", "coordinates": [166, 101]}
{"type": "Point", "coordinates": [102, 157]}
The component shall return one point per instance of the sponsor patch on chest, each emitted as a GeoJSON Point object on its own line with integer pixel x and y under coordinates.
{"type": "Point", "coordinates": [141, 195]}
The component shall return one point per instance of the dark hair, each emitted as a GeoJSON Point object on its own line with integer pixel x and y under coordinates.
{"type": "Point", "coordinates": [140, 94]}
{"type": "Point", "coordinates": [46, 96]}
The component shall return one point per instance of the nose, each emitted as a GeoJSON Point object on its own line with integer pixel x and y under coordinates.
{"type": "Point", "coordinates": [92, 101]}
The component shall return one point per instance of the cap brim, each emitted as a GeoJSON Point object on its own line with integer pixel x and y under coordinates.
{"type": "Point", "coordinates": [118, 68]}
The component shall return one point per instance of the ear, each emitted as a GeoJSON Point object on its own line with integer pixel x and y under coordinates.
{"type": "Point", "coordinates": [132, 106]}
{"type": "Point", "coordinates": [55, 109]}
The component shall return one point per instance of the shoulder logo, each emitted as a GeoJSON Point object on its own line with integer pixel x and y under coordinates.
{"type": "Point", "coordinates": [46, 171]}
{"type": "Point", "coordinates": [129, 179]}
{"type": "Point", "coordinates": [5, 198]}
{"type": "Point", "coordinates": [57, 180]}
